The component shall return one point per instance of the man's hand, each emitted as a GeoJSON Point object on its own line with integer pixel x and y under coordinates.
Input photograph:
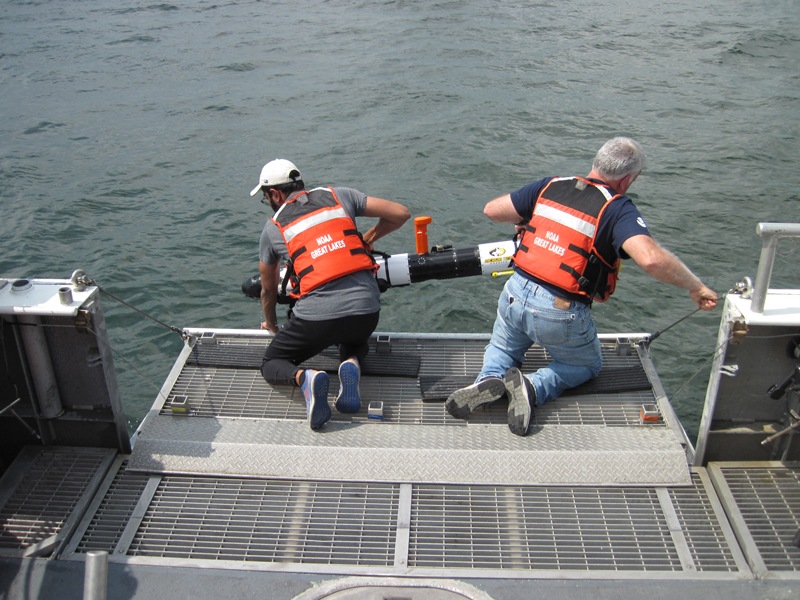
{"type": "Point", "coordinates": [391, 216]}
{"type": "Point", "coordinates": [265, 325]}
{"type": "Point", "coordinates": [705, 298]}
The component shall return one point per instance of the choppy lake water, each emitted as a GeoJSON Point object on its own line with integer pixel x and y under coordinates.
{"type": "Point", "coordinates": [132, 133]}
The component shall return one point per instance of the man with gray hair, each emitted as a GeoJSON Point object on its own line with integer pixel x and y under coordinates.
{"type": "Point", "coordinates": [574, 232]}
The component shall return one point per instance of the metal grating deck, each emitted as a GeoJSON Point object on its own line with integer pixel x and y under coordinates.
{"type": "Point", "coordinates": [105, 530]}
{"type": "Point", "coordinates": [235, 393]}
{"type": "Point", "coordinates": [763, 500]}
{"type": "Point", "coordinates": [267, 520]}
{"type": "Point", "coordinates": [42, 494]}
{"type": "Point", "coordinates": [492, 531]}
{"type": "Point", "coordinates": [242, 393]}
{"type": "Point", "coordinates": [540, 528]}
{"type": "Point", "coordinates": [705, 536]}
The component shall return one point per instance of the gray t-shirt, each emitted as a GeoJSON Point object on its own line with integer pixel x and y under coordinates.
{"type": "Point", "coordinates": [354, 294]}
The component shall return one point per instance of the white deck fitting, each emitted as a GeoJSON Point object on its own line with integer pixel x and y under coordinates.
{"type": "Point", "coordinates": [781, 308]}
{"type": "Point", "coordinates": [41, 298]}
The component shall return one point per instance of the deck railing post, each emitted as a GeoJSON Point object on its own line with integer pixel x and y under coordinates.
{"type": "Point", "coordinates": [770, 232]}
{"type": "Point", "coordinates": [95, 579]}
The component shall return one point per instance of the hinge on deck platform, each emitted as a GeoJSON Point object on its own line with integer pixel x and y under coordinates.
{"type": "Point", "coordinates": [82, 320]}
{"type": "Point", "coordinates": [739, 331]}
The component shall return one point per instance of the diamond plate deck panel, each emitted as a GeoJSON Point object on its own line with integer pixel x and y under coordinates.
{"type": "Point", "coordinates": [577, 455]}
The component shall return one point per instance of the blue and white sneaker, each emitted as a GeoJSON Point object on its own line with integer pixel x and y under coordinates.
{"type": "Point", "coordinates": [315, 390]}
{"type": "Point", "coordinates": [349, 398]}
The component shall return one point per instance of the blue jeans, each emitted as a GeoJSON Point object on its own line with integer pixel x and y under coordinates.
{"type": "Point", "coordinates": [525, 315]}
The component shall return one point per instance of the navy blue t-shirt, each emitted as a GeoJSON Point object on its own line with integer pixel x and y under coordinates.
{"type": "Point", "coordinates": [620, 221]}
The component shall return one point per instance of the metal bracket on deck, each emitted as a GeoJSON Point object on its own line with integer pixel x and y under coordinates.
{"type": "Point", "coordinates": [208, 337]}
{"type": "Point", "coordinates": [623, 347]}
{"type": "Point", "coordinates": [384, 344]}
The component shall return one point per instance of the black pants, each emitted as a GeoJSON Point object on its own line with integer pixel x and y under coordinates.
{"type": "Point", "coordinates": [298, 340]}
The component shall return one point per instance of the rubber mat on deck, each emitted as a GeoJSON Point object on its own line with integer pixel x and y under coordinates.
{"type": "Point", "coordinates": [250, 357]}
{"type": "Point", "coordinates": [623, 379]}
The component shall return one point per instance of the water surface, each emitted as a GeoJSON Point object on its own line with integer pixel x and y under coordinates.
{"type": "Point", "coordinates": [132, 133]}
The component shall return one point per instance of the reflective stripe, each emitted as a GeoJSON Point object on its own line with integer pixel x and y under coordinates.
{"type": "Point", "coordinates": [608, 195]}
{"type": "Point", "coordinates": [279, 211]}
{"type": "Point", "coordinates": [565, 219]}
{"type": "Point", "coordinates": [313, 220]}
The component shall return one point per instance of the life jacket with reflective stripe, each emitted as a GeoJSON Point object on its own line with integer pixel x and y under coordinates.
{"type": "Point", "coordinates": [322, 241]}
{"type": "Point", "coordinates": [558, 244]}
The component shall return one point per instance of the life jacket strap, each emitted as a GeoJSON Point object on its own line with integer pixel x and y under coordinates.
{"type": "Point", "coordinates": [305, 272]}
{"type": "Point", "coordinates": [582, 281]}
{"type": "Point", "coordinates": [580, 251]}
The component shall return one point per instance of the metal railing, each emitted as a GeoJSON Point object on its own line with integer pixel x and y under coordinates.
{"type": "Point", "coordinates": [771, 233]}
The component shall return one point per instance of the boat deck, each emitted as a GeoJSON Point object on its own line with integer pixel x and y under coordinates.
{"type": "Point", "coordinates": [236, 424]}
{"type": "Point", "coordinates": [239, 482]}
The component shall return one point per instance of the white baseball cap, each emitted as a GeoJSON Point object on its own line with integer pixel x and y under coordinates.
{"type": "Point", "coordinates": [277, 172]}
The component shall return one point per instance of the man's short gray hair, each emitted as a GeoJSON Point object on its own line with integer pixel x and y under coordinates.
{"type": "Point", "coordinates": [619, 157]}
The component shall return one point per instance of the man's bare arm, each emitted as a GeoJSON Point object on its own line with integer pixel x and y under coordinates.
{"type": "Point", "coordinates": [665, 266]}
{"type": "Point", "coordinates": [270, 280]}
{"type": "Point", "coordinates": [501, 210]}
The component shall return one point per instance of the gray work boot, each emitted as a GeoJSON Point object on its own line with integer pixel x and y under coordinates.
{"type": "Point", "coordinates": [464, 401]}
{"type": "Point", "coordinates": [521, 401]}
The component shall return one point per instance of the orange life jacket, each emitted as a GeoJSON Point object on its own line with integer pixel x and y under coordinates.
{"type": "Point", "coordinates": [557, 245]}
{"type": "Point", "coordinates": [322, 241]}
